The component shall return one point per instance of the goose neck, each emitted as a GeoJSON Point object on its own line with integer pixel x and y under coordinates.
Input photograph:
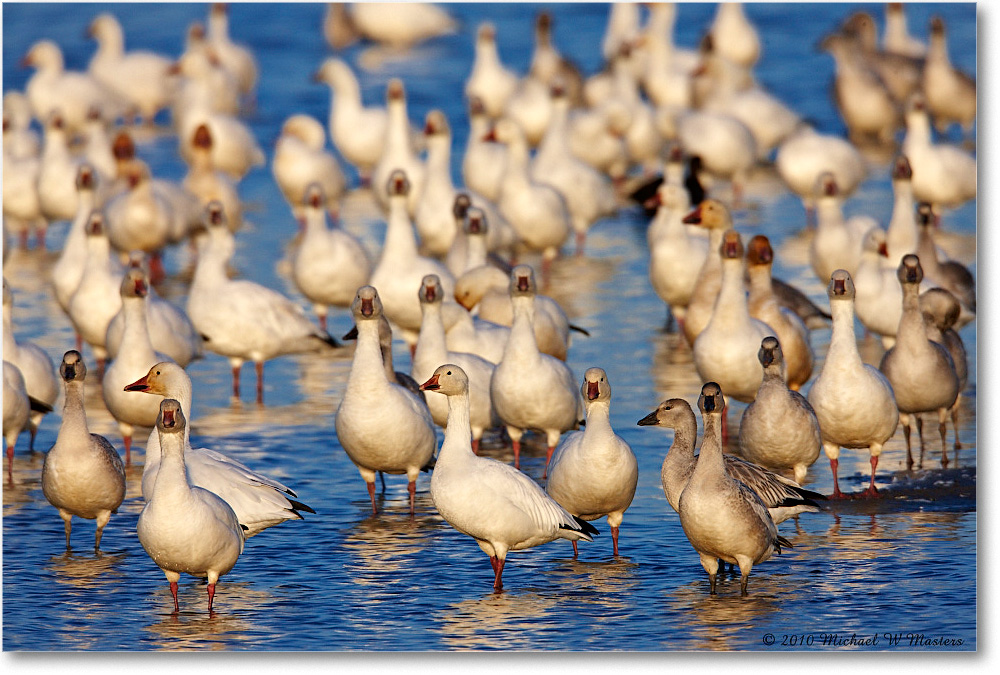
{"type": "Point", "coordinates": [457, 442]}
{"type": "Point", "coordinates": [843, 342]}
{"type": "Point", "coordinates": [73, 429]}
{"type": "Point", "coordinates": [400, 242]}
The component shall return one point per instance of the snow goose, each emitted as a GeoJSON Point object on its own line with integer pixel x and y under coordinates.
{"type": "Point", "coordinates": [401, 25]}
{"type": "Point", "coordinates": [948, 274]}
{"type": "Point", "coordinates": [240, 319]}
{"type": "Point", "coordinates": [258, 500]}
{"type": "Point", "coordinates": [837, 242]}
{"type": "Point", "coordinates": [300, 159]}
{"type": "Point", "coordinates": [385, 345]}
{"type": "Point", "coordinates": [487, 288]}
{"type": "Point", "coordinates": [941, 309]}
{"type": "Point", "coordinates": [37, 369]}
{"type": "Point", "coordinates": [139, 78]}
{"type": "Point", "coordinates": [494, 503]}
{"type": "Point", "coordinates": [900, 73]}
{"type": "Point", "coordinates": [140, 219]}
{"type": "Point", "coordinates": [536, 211]}
{"type": "Point", "coordinates": [16, 410]}
{"type": "Point", "coordinates": [897, 38]}
{"type": "Point", "coordinates": [548, 66]}
{"type": "Point", "coordinates": [667, 77]}
{"type": "Point", "coordinates": [722, 517]}
{"type": "Point", "coordinates": [531, 389]}
{"type": "Point", "coordinates": [675, 257]}
{"type": "Point", "coordinates": [878, 297]}
{"type": "Point", "coordinates": [432, 351]}
{"type": "Point", "coordinates": [57, 174]}
{"type": "Point", "coordinates": [594, 472]}
{"type": "Point", "coordinates": [82, 474]}
{"type": "Point", "coordinates": [921, 372]}
{"type": "Point", "coordinates": [185, 528]}
{"type": "Point", "coordinates": [726, 350]}
{"type": "Point", "coordinates": [950, 93]}
{"type": "Point", "coordinates": [20, 141]}
{"type": "Point", "coordinates": [400, 268]}
{"type": "Point", "coordinates": [807, 154]}
{"type": "Point", "coordinates": [97, 297]}
{"type": "Point", "coordinates": [779, 429]}
{"type": "Point", "coordinates": [715, 216]}
{"type": "Point", "coordinates": [901, 235]}
{"type": "Point", "coordinates": [203, 79]}
{"type": "Point", "coordinates": [588, 194]}
{"type": "Point", "coordinates": [72, 93]}
{"type": "Point", "coordinates": [597, 136]}
{"type": "Point", "coordinates": [209, 184]}
{"type": "Point", "coordinates": [398, 154]}
{"type": "Point", "coordinates": [329, 264]}
{"type": "Point", "coordinates": [135, 356]}
{"type": "Point", "coordinates": [489, 80]}
{"type": "Point", "coordinates": [22, 207]}
{"type": "Point", "coordinates": [725, 144]}
{"type": "Point", "coordinates": [734, 36]}
{"type": "Point", "coordinates": [484, 163]}
{"type": "Point", "coordinates": [235, 58]}
{"type": "Point", "coordinates": [864, 102]}
{"type": "Point", "coordinates": [234, 148]}
{"type": "Point", "coordinates": [943, 175]}
{"type": "Point", "coordinates": [358, 132]}
{"type": "Point", "coordinates": [789, 329]}
{"type": "Point", "coordinates": [853, 401]}
{"type": "Point", "coordinates": [381, 425]}
{"type": "Point", "coordinates": [622, 28]}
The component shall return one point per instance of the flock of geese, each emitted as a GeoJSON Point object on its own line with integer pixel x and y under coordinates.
{"type": "Point", "coordinates": [549, 154]}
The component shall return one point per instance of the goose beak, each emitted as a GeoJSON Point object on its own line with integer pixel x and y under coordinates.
{"type": "Point", "coordinates": [522, 284]}
{"type": "Point", "coordinates": [839, 287]}
{"type": "Point", "coordinates": [431, 384]}
{"type": "Point", "coordinates": [367, 307]}
{"type": "Point", "coordinates": [140, 288]}
{"type": "Point", "coordinates": [766, 358]}
{"type": "Point", "coordinates": [168, 418]}
{"type": "Point", "coordinates": [593, 391]}
{"type": "Point", "coordinates": [710, 403]}
{"type": "Point", "coordinates": [693, 218]}
{"type": "Point", "coordinates": [142, 384]}
{"type": "Point", "coordinates": [649, 420]}
{"type": "Point", "coordinates": [430, 294]}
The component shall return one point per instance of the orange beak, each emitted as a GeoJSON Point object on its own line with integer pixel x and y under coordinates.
{"type": "Point", "coordinates": [431, 384]}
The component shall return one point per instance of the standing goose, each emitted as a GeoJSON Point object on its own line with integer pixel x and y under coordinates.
{"type": "Point", "coordinates": [489, 80]}
{"type": "Point", "coordinates": [779, 428]}
{"type": "Point", "coordinates": [235, 58]}
{"type": "Point", "coordinates": [949, 274]}
{"type": "Point", "coordinates": [240, 319]}
{"type": "Point", "coordinates": [258, 500]}
{"type": "Point", "coordinates": [98, 296]}
{"type": "Point", "coordinates": [381, 425]}
{"type": "Point", "coordinates": [530, 389]}
{"type": "Point", "coordinates": [594, 472]}
{"type": "Point", "coordinates": [921, 372]}
{"type": "Point", "coordinates": [722, 517]}
{"type": "Point", "coordinates": [301, 159]}
{"type": "Point", "coordinates": [675, 257]}
{"type": "Point", "coordinates": [853, 401]}
{"type": "Point", "coordinates": [878, 297]}
{"type": "Point", "coordinates": [714, 216]}
{"type": "Point", "coordinates": [783, 497]}
{"type": "Point", "coordinates": [398, 154]}
{"type": "Point", "coordinates": [941, 309]}
{"type": "Point", "coordinates": [82, 475]}
{"type": "Point", "coordinates": [185, 528]}
{"type": "Point", "coordinates": [494, 503]}
{"type": "Point", "coordinates": [57, 172]}
{"type": "Point", "coordinates": [837, 242]}
{"type": "Point", "coordinates": [484, 163]}
{"type": "Point", "coordinates": [16, 410]}
{"type": "Point", "coordinates": [68, 270]}
{"type": "Point", "coordinates": [432, 351]}
{"type": "Point", "coordinates": [951, 94]}
{"type": "Point", "coordinates": [901, 235]}
{"type": "Point", "coordinates": [943, 175]}
{"type": "Point", "coordinates": [764, 305]}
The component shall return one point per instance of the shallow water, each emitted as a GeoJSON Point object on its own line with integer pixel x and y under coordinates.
{"type": "Point", "coordinates": [344, 580]}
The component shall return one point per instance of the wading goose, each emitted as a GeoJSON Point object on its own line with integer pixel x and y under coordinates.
{"type": "Point", "coordinates": [837, 242]}
{"type": "Point", "coordinates": [783, 497]}
{"type": "Point", "coordinates": [530, 389]}
{"type": "Point", "coordinates": [948, 274]}
{"type": "Point", "coordinates": [357, 131]}
{"type": "Point", "coordinates": [97, 297]}
{"type": "Point", "coordinates": [57, 172]}
{"type": "Point", "coordinates": [20, 141]}
{"type": "Point", "coordinates": [864, 102]}
{"type": "Point", "coordinates": [484, 163]}
{"type": "Point", "coordinates": [725, 144]}
{"type": "Point", "coordinates": [236, 59]}
{"type": "Point", "coordinates": [897, 38]}
{"type": "Point", "coordinates": [807, 154]}
{"type": "Point", "coordinates": [398, 154]}
{"type": "Point", "coordinates": [432, 351]}
{"type": "Point", "coordinates": [950, 93]}
{"type": "Point", "coordinates": [779, 429]}
{"type": "Point", "coordinates": [594, 472]}
{"type": "Point", "coordinates": [853, 401]}
{"type": "Point", "coordinates": [329, 264]}
{"type": "Point", "coordinates": [185, 528]}
{"type": "Point", "coordinates": [921, 372]}
{"type": "Point", "coordinates": [764, 305]}
{"type": "Point", "coordinates": [713, 215]}
{"type": "Point", "coordinates": [941, 309]}
{"type": "Point", "coordinates": [494, 503]}
{"type": "Point", "coordinates": [901, 235]}
{"type": "Point", "coordinates": [401, 25]}
{"type": "Point", "coordinates": [675, 256]}
{"type": "Point", "coordinates": [82, 475]}
{"type": "Point", "coordinates": [135, 356]}
{"type": "Point", "coordinates": [16, 410]}
{"type": "Point", "coordinates": [234, 149]}
{"type": "Point", "coordinates": [382, 426]}
{"type": "Point", "coordinates": [209, 184]}
{"type": "Point", "coordinates": [300, 160]}
{"type": "Point", "coordinates": [878, 297]}
{"type": "Point", "coordinates": [734, 36]}
{"type": "Point", "coordinates": [258, 500]}
{"type": "Point", "coordinates": [943, 175]}
{"type": "Point", "coordinates": [489, 80]}
{"type": "Point", "coordinates": [140, 219]}
{"type": "Point", "coordinates": [36, 368]}
{"type": "Point", "coordinates": [722, 517]}
{"type": "Point", "coordinates": [240, 319]}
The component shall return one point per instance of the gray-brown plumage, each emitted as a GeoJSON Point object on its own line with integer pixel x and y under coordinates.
{"type": "Point", "coordinates": [948, 274]}
{"type": "Point", "coordinates": [941, 310]}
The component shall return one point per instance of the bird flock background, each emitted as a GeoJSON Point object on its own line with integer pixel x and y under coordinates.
{"type": "Point", "coordinates": [434, 285]}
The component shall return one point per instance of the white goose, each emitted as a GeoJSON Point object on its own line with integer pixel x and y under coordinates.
{"type": "Point", "coordinates": [943, 175]}
{"type": "Point", "coordinates": [722, 517]}
{"type": "Point", "coordinates": [20, 141]}
{"type": "Point", "coordinates": [484, 163]}
{"type": "Point", "coordinates": [357, 131]}
{"type": "Point", "coordinates": [725, 144]}
{"type": "Point", "coordinates": [779, 428]}
{"type": "Point", "coordinates": [714, 216]}
{"type": "Point", "coordinates": [594, 472]}
{"type": "Point", "coordinates": [82, 475]}
{"type": "Point", "coordinates": [139, 78]}
{"type": "Point", "coordinates": [398, 154]}
{"type": "Point", "coordinates": [57, 173]}
{"type": "Point", "coordinates": [675, 257]}
{"type": "Point", "coordinates": [381, 425]}
{"type": "Point", "coordinates": [530, 389]}
{"type": "Point", "coordinates": [489, 80]}
{"type": "Point", "coordinates": [234, 148]}
{"type": "Point", "coordinates": [950, 93]}
{"type": "Point", "coordinates": [209, 184]}
{"type": "Point", "coordinates": [141, 219]}
{"type": "Point", "coordinates": [922, 373]}
{"type": "Point", "coordinates": [854, 402]}
{"type": "Point", "coordinates": [878, 297]}
{"type": "Point", "coordinates": [400, 268]}
{"type": "Point", "coordinates": [901, 235]}
{"type": "Point", "coordinates": [329, 264]}
{"type": "Point", "coordinates": [185, 528]}
{"type": "Point", "coordinates": [97, 297]}
{"type": "Point", "coordinates": [807, 154]}
{"type": "Point", "coordinates": [258, 500]}
{"type": "Point", "coordinates": [240, 319]}
{"type": "Point", "coordinates": [734, 36]}
{"type": "Point", "coordinates": [783, 497]}
{"type": "Point", "coordinates": [432, 351]}
{"type": "Point", "coordinates": [494, 503]}
{"type": "Point", "coordinates": [726, 350]}
{"type": "Point", "coordinates": [22, 207]}
{"type": "Point", "coordinates": [135, 356]}
{"type": "Point", "coordinates": [837, 242]}
{"type": "Point", "coordinates": [16, 410]}
{"type": "Point", "coordinates": [235, 58]}
{"type": "Point", "coordinates": [35, 366]}
{"type": "Point", "coordinates": [300, 160]}
{"type": "Point", "coordinates": [401, 25]}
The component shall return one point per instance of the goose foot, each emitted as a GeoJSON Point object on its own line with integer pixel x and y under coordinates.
{"type": "Point", "coordinates": [371, 495]}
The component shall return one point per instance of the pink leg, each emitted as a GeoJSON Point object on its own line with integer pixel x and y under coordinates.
{"type": "Point", "coordinates": [101, 363]}
{"type": "Point", "coordinates": [40, 237]}
{"type": "Point", "coordinates": [79, 343]}
{"type": "Point", "coordinates": [371, 495]}
{"type": "Point", "coordinates": [156, 271]}
{"type": "Point", "coordinates": [581, 240]}
{"type": "Point", "coordinates": [412, 488]}
{"type": "Point", "coordinates": [128, 450]}
{"type": "Point", "coordinates": [871, 491]}
{"type": "Point", "coordinates": [211, 596]}
{"type": "Point", "coordinates": [614, 539]}
{"type": "Point", "coordinates": [497, 581]}
{"type": "Point", "coordinates": [10, 461]}
{"type": "Point", "coordinates": [236, 382]}
{"type": "Point", "coordinates": [493, 563]}
{"type": "Point", "coordinates": [517, 454]}
{"type": "Point", "coordinates": [475, 446]}
{"type": "Point", "coordinates": [322, 322]}
{"type": "Point", "coordinates": [576, 551]}
{"type": "Point", "coordinates": [260, 382]}
{"type": "Point", "coordinates": [23, 240]}
{"type": "Point", "coordinates": [173, 592]}
{"type": "Point", "coordinates": [837, 494]}
{"type": "Point", "coordinates": [548, 458]}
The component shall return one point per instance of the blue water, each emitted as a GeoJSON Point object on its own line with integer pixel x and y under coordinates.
{"type": "Point", "coordinates": [344, 580]}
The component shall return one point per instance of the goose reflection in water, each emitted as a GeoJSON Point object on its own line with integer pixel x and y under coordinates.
{"type": "Point", "coordinates": [380, 547]}
{"type": "Point", "coordinates": [497, 621]}
{"type": "Point", "coordinates": [194, 628]}
{"type": "Point", "coordinates": [725, 621]}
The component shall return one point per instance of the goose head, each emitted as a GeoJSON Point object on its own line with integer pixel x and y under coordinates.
{"type": "Point", "coordinates": [732, 245]}
{"type": "Point", "coordinates": [334, 72]}
{"type": "Point", "coordinates": [72, 368]}
{"type": "Point", "coordinates": [95, 224]}
{"type": "Point", "coordinates": [436, 124]}
{"type": "Point", "coordinates": [925, 214]}
{"type": "Point", "coordinates": [398, 185]}
{"type": "Point", "coordinates": [171, 418]}
{"type": "Point", "coordinates": [123, 147]}
{"type": "Point", "coordinates": [477, 109]}
{"type": "Point", "coordinates": [430, 290]}
{"type": "Point", "coordinates": [595, 386]}
{"type": "Point", "coordinates": [313, 198]}
{"type": "Point", "coordinates": [522, 282]}
{"type": "Point", "coordinates": [875, 242]}
{"type": "Point", "coordinates": [826, 186]}
{"type": "Point", "coordinates": [712, 214]}
{"type": "Point", "coordinates": [104, 27]}
{"type": "Point", "coordinates": [759, 251]}
{"type": "Point", "coordinates": [395, 94]}
{"type": "Point", "coordinates": [711, 401]}
{"type": "Point", "coordinates": [474, 284]}
{"type": "Point", "coordinates": [44, 54]}
{"type": "Point", "coordinates": [901, 169]}
{"type": "Point", "coordinates": [86, 178]}
{"type": "Point", "coordinates": [769, 354]}
{"type": "Point", "coordinates": [669, 414]}
{"type": "Point", "coordinates": [202, 138]}
{"type": "Point", "coordinates": [460, 206]}
{"type": "Point", "coordinates": [909, 270]}
{"type": "Point", "coordinates": [366, 306]}
{"type": "Point", "coordinates": [164, 378]}
{"type": "Point", "coordinates": [841, 286]}
{"type": "Point", "coordinates": [135, 284]}
{"type": "Point", "coordinates": [448, 379]}
{"type": "Point", "coordinates": [475, 222]}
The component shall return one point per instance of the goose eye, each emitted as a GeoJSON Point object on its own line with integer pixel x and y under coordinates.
{"type": "Point", "coordinates": [448, 373]}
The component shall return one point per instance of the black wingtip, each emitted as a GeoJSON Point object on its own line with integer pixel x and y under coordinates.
{"type": "Point", "coordinates": [429, 465]}
{"type": "Point", "coordinates": [792, 501]}
{"type": "Point", "coordinates": [244, 527]}
{"type": "Point", "coordinates": [39, 406]}
{"type": "Point", "coordinates": [299, 506]}
{"type": "Point", "coordinates": [781, 541]}
{"type": "Point", "coordinates": [582, 525]}
{"type": "Point", "coordinates": [328, 339]}
{"type": "Point", "coordinates": [579, 330]}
